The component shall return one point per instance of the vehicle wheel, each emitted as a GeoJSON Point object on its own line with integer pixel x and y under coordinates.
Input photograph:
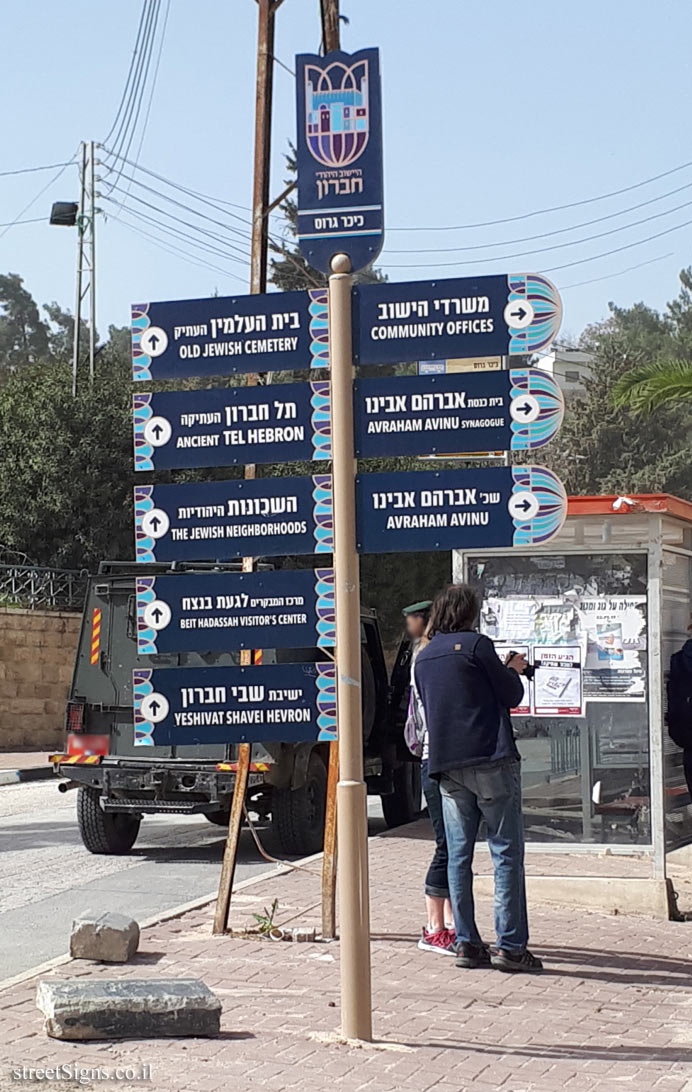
{"type": "Point", "coordinates": [298, 814]}
{"type": "Point", "coordinates": [404, 804]}
{"type": "Point", "coordinates": [104, 832]}
{"type": "Point", "coordinates": [218, 818]}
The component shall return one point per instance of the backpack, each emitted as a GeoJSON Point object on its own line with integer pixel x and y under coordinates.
{"type": "Point", "coordinates": [680, 702]}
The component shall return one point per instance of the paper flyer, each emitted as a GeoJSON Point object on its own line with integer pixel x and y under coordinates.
{"type": "Point", "coordinates": [503, 650]}
{"type": "Point", "coordinates": [558, 689]}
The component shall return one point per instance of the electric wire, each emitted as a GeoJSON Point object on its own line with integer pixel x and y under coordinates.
{"type": "Point", "coordinates": [33, 220]}
{"type": "Point", "coordinates": [620, 273]}
{"type": "Point", "coordinates": [134, 74]}
{"type": "Point", "coordinates": [554, 208]}
{"type": "Point", "coordinates": [40, 193]}
{"type": "Point", "coordinates": [619, 249]}
{"type": "Point", "coordinates": [32, 170]}
{"type": "Point", "coordinates": [177, 251]}
{"type": "Point", "coordinates": [129, 74]}
{"type": "Point", "coordinates": [546, 234]}
{"type": "Point", "coordinates": [546, 249]}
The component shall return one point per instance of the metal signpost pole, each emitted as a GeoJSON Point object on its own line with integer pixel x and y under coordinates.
{"type": "Point", "coordinates": [354, 909]}
{"type": "Point", "coordinates": [258, 283]}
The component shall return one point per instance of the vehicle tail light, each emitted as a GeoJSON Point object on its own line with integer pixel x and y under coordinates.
{"type": "Point", "coordinates": [86, 744]}
{"type": "Point", "coordinates": [74, 721]}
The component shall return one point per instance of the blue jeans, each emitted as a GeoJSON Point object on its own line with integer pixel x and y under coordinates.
{"type": "Point", "coordinates": [490, 792]}
{"type": "Point", "coordinates": [436, 883]}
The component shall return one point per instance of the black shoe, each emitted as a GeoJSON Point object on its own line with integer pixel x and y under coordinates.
{"type": "Point", "coordinates": [471, 956]}
{"type": "Point", "coordinates": [517, 962]}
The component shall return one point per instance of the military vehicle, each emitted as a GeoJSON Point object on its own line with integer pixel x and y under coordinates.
{"type": "Point", "coordinates": [119, 784]}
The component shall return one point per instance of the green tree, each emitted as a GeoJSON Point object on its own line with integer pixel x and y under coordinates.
{"type": "Point", "coordinates": [24, 336]}
{"type": "Point", "coordinates": [66, 464]}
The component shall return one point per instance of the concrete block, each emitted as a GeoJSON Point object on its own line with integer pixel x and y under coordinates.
{"type": "Point", "coordinates": [122, 1008]}
{"type": "Point", "coordinates": [113, 938]}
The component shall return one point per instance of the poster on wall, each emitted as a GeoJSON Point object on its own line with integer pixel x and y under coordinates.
{"type": "Point", "coordinates": [557, 683]}
{"type": "Point", "coordinates": [523, 709]}
{"type": "Point", "coordinates": [615, 630]}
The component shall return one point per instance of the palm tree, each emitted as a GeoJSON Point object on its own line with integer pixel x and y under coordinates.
{"type": "Point", "coordinates": [647, 386]}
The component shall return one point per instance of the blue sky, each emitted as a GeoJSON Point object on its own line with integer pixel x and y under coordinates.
{"type": "Point", "coordinates": [491, 111]}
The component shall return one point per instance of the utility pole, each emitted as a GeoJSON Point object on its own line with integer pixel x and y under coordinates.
{"type": "Point", "coordinates": [266, 11]}
{"type": "Point", "coordinates": [86, 261]}
{"type": "Point", "coordinates": [331, 39]}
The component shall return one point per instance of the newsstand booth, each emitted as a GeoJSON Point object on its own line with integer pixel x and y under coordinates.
{"type": "Point", "coordinates": [600, 610]}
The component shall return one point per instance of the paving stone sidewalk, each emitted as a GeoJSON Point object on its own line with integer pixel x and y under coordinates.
{"type": "Point", "coordinates": [612, 1012]}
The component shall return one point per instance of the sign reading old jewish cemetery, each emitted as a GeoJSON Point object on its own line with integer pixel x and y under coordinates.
{"type": "Point", "coordinates": [213, 612]}
{"type": "Point", "coordinates": [510, 411]}
{"type": "Point", "coordinates": [281, 702]}
{"type": "Point", "coordinates": [232, 425]}
{"type": "Point", "coordinates": [228, 334]}
{"type": "Point", "coordinates": [199, 521]}
{"type": "Point", "coordinates": [444, 509]}
{"type": "Point", "coordinates": [339, 152]}
{"type": "Point", "coordinates": [462, 317]}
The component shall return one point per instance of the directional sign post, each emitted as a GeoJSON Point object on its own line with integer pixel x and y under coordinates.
{"type": "Point", "coordinates": [463, 317]}
{"type": "Point", "coordinates": [212, 612]}
{"type": "Point", "coordinates": [226, 335]}
{"type": "Point", "coordinates": [485, 411]}
{"type": "Point", "coordinates": [225, 520]}
{"type": "Point", "coordinates": [339, 150]}
{"type": "Point", "coordinates": [445, 509]}
{"type": "Point", "coordinates": [282, 702]}
{"type": "Point", "coordinates": [225, 427]}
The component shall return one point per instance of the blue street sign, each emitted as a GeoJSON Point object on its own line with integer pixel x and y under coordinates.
{"type": "Point", "coordinates": [462, 317]}
{"type": "Point", "coordinates": [458, 509]}
{"type": "Point", "coordinates": [466, 411]}
{"type": "Point", "coordinates": [224, 427]}
{"type": "Point", "coordinates": [224, 520]}
{"type": "Point", "coordinates": [225, 335]}
{"type": "Point", "coordinates": [284, 703]}
{"type": "Point", "coordinates": [210, 612]}
{"type": "Point", "coordinates": [339, 152]}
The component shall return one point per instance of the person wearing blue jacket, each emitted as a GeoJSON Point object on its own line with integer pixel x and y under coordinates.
{"type": "Point", "coordinates": [467, 693]}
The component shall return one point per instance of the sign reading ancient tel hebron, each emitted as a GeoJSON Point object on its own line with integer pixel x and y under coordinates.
{"type": "Point", "coordinates": [280, 702]}
{"type": "Point", "coordinates": [216, 612]}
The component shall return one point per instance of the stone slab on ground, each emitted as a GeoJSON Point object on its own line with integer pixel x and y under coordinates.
{"type": "Point", "coordinates": [134, 1008]}
{"type": "Point", "coordinates": [112, 938]}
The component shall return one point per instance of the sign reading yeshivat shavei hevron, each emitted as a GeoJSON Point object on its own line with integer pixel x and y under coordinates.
{"type": "Point", "coordinates": [231, 425]}
{"type": "Point", "coordinates": [339, 156]}
{"type": "Point", "coordinates": [462, 509]}
{"type": "Point", "coordinates": [467, 411]}
{"type": "Point", "coordinates": [280, 702]}
{"type": "Point", "coordinates": [212, 611]}
{"type": "Point", "coordinates": [220, 521]}
{"type": "Point", "coordinates": [228, 334]}
{"type": "Point", "coordinates": [500, 315]}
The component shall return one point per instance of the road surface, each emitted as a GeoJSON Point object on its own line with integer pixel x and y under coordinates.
{"type": "Point", "coordinates": [47, 877]}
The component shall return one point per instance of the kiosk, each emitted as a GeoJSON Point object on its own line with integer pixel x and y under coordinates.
{"type": "Point", "coordinates": [600, 610]}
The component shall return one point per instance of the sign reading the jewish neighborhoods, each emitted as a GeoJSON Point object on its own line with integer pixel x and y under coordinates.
{"type": "Point", "coordinates": [209, 612]}
{"type": "Point", "coordinates": [224, 520]}
{"type": "Point", "coordinates": [225, 335]}
{"type": "Point", "coordinates": [464, 317]}
{"type": "Point", "coordinates": [447, 509]}
{"type": "Point", "coordinates": [282, 702]}
{"type": "Point", "coordinates": [339, 152]}
{"type": "Point", "coordinates": [233, 425]}
{"type": "Point", "coordinates": [512, 411]}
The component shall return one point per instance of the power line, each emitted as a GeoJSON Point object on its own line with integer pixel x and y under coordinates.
{"type": "Point", "coordinates": [33, 220]}
{"type": "Point", "coordinates": [129, 74]}
{"type": "Point", "coordinates": [32, 170]}
{"type": "Point", "coordinates": [546, 234]}
{"type": "Point", "coordinates": [619, 249]}
{"type": "Point", "coordinates": [40, 193]}
{"type": "Point", "coordinates": [176, 250]}
{"type": "Point", "coordinates": [620, 273]}
{"type": "Point", "coordinates": [555, 208]}
{"type": "Point", "coordinates": [544, 250]}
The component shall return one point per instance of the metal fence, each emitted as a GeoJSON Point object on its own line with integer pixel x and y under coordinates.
{"type": "Point", "coordinates": [35, 587]}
